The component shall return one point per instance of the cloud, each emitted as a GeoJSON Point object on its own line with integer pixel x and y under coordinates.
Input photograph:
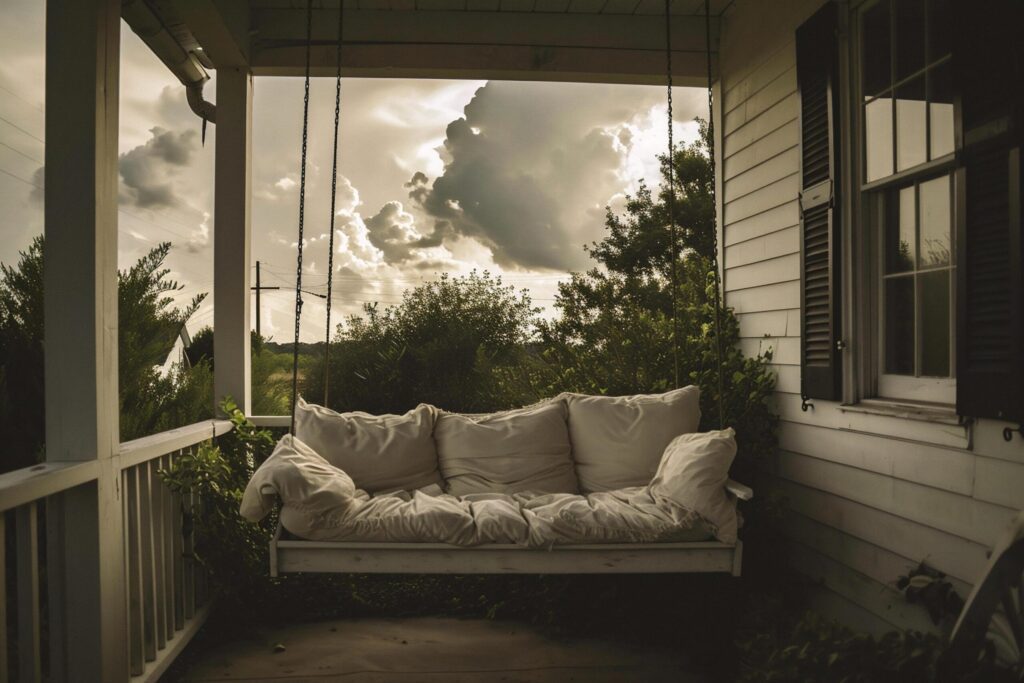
{"type": "Point", "coordinates": [147, 170]}
{"type": "Point", "coordinates": [393, 231]}
{"type": "Point", "coordinates": [529, 168]}
{"type": "Point", "coordinates": [38, 192]}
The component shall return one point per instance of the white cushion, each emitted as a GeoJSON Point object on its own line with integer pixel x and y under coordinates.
{"type": "Point", "coordinates": [617, 442]}
{"type": "Point", "coordinates": [379, 452]}
{"type": "Point", "coordinates": [303, 480]}
{"type": "Point", "coordinates": [692, 476]}
{"type": "Point", "coordinates": [517, 450]}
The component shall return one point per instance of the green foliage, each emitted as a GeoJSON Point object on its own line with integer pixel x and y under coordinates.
{"type": "Point", "coordinates": [148, 326]}
{"type": "Point", "coordinates": [459, 343]}
{"type": "Point", "coordinates": [816, 649]}
{"type": "Point", "coordinates": [211, 479]}
{"type": "Point", "coordinates": [270, 371]}
{"type": "Point", "coordinates": [639, 242]}
{"type": "Point", "coordinates": [22, 423]}
{"type": "Point", "coordinates": [615, 331]}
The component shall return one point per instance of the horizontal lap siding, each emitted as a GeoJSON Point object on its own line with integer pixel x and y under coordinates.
{"type": "Point", "coordinates": [869, 496]}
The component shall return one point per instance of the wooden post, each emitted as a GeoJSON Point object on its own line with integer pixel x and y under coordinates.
{"type": "Point", "coordinates": [84, 525]}
{"type": "Point", "coordinates": [231, 237]}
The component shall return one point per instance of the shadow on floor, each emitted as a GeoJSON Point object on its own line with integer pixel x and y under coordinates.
{"type": "Point", "coordinates": [428, 649]}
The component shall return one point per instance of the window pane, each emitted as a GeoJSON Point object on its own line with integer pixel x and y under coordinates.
{"type": "Point", "coordinates": [878, 138]}
{"type": "Point", "coordinates": [934, 298]}
{"type": "Point", "coordinates": [899, 325]}
{"type": "Point", "coordinates": [899, 234]}
{"type": "Point", "coordinates": [911, 129]}
{"type": "Point", "coordinates": [909, 37]}
{"type": "Point", "coordinates": [875, 49]}
{"type": "Point", "coordinates": [940, 109]}
{"type": "Point", "coordinates": [940, 25]}
{"type": "Point", "coordinates": [936, 248]}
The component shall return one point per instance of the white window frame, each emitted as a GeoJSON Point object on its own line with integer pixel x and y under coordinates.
{"type": "Point", "coordinates": [864, 278]}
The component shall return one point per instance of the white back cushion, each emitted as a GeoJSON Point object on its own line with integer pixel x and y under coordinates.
{"type": "Point", "coordinates": [379, 452]}
{"type": "Point", "coordinates": [617, 442]}
{"type": "Point", "coordinates": [517, 450]}
{"type": "Point", "coordinates": [692, 475]}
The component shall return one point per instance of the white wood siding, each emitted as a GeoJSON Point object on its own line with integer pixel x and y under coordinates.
{"type": "Point", "coordinates": [869, 495]}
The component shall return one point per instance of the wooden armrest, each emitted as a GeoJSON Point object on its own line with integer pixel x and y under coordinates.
{"type": "Point", "coordinates": [739, 490]}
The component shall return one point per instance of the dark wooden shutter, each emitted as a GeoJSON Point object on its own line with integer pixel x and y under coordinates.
{"type": "Point", "coordinates": [988, 72]}
{"type": "Point", "coordinates": [820, 360]}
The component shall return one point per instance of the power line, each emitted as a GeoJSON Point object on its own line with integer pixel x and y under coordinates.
{"type": "Point", "coordinates": [37, 106]}
{"type": "Point", "coordinates": [18, 151]}
{"type": "Point", "coordinates": [19, 128]}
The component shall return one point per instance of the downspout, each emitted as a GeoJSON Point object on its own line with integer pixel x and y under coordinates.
{"type": "Point", "coordinates": [184, 64]}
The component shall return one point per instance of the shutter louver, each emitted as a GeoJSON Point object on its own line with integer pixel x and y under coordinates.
{"type": "Point", "coordinates": [820, 361]}
{"type": "Point", "coordinates": [990, 285]}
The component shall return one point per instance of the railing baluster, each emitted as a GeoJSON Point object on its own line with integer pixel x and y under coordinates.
{"type": "Point", "coordinates": [156, 532]}
{"type": "Point", "coordinates": [167, 516]}
{"type": "Point", "coordinates": [179, 563]}
{"type": "Point", "coordinates": [134, 574]}
{"type": "Point", "coordinates": [190, 557]}
{"type": "Point", "coordinates": [146, 552]}
{"type": "Point", "coordinates": [27, 557]}
{"type": "Point", "coordinates": [3, 598]}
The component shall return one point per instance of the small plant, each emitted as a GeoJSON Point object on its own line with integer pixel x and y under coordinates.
{"type": "Point", "coordinates": [211, 479]}
{"type": "Point", "coordinates": [816, 649]}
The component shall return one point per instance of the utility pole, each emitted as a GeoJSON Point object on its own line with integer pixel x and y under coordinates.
{"type": "Point", "coordinates": [259, 288]}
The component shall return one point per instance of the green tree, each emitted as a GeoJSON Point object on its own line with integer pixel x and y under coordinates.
{"type": "Point", "coordinates": [148, 327]}
{"type": "Point", "coordinates": [460, 343]}
{"type": "Point", "coordinates": [615, 331]}
{"type": "Point", "coordinates": [270, 371]}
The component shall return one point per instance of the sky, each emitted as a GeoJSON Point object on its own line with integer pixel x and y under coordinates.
{"type": "Point", "coordinates": [434, 176]}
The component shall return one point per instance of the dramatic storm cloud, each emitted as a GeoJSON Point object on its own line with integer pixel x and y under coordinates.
{"type": "Point", "coordinates": [530, 167]}
{"type": "Point", "coordinates": [148, 170]}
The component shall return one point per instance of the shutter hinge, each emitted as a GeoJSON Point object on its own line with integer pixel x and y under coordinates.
{"type": "Point", "coordinates": [1008, 432]}
{"type": "Point", "coordinates": [816, 195]}
{"type": "Point", "coordinates": [841, 345]}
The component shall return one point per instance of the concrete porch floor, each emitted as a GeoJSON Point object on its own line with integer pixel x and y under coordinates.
{"type": "Point", "coordinates": [427, 649]}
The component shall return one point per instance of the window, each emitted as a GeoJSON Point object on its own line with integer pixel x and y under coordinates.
{"type": "Point", "coordinates": [907, 184]}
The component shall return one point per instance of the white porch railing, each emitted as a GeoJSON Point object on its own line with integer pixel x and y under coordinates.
{"type": "Point", "coordinates": [166, 592]}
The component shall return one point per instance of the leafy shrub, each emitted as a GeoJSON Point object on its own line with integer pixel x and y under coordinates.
{"type": "Point", "coordinates": [211, 479]}
{"type": "Point", "coordinates": [148, 325]}
{"type": "Point", "coordinates": [816, 649]}
{"type": "Point", "coordinates": [458, 342]}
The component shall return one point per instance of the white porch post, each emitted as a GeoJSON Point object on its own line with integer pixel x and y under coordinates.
{"type": "Point", "coordinates": [232, 236]}
{"type": "Point", "coordinates": [85, 525]}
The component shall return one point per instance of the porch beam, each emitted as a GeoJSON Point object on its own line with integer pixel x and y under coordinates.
{"type": "Point", "coordinates": [232, 211]}
{"type": "Point", "coordinates": [467, 44]}
{"type": "Point", "coordinates": [221, 28]}
{"type": "Point", "coordinates": [84, 537]}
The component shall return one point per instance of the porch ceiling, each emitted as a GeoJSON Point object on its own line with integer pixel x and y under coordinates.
{"type": "Point", "coordinates": [612, 41]}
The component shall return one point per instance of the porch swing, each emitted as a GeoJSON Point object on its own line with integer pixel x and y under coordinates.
{"type": "Point", "coordinates": [289, 553]}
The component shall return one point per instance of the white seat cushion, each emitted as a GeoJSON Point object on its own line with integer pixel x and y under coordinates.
{"type": "Point", "coordinates": [692, 476]}
{"type": "Point", "coordinates": [617, 442]}
{"type": "Point", "coordinates": [379, 452]}
{"type": "Point", "coordinates": [517, 450]}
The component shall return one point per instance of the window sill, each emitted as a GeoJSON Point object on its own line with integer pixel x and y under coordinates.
{"type": "Point", "coordinates": [923, 412]}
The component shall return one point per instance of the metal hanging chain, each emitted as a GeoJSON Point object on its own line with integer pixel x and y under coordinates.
{"type": "Point", "coordinates": [672, 197]}
{"type": "Point", "coordinates": [334, 195]}
{"type": "Point", "coordinates": [714, 217]}
{"type": "Point", "coordinates": [302, 217]}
